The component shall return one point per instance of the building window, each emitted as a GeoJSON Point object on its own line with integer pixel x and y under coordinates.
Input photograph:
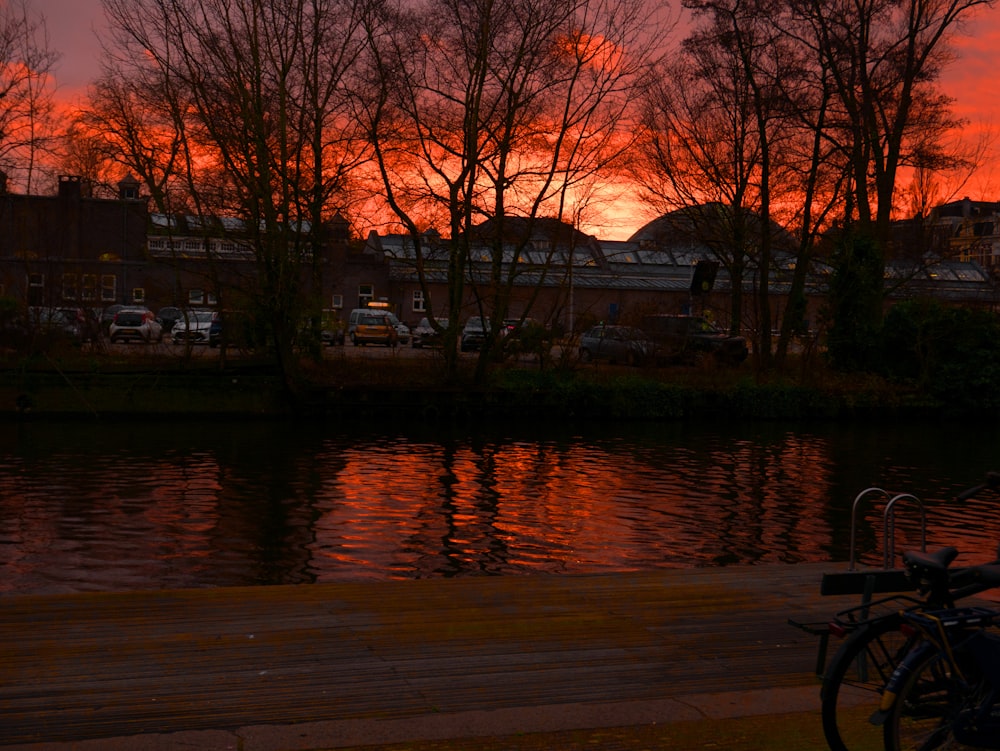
{"type": "Point", "coordinates": [69, 288]}
{"type": "Point", "coordinates": [88, 287]}
{"type": "Point", "coordinates": [138, 294]}
{"type": "Point", "coordinates": [419, 305]}
{"type": "Point", "coordinates": [36, 289]}
{"type": "Point", "coordinates": [338, 302]}
{"type": "Point", "coordinates": [201, 297]}
{"type": "Point", "coordinates": [366, 293]}
{"type": "Point", "coordinates": [109, 288]}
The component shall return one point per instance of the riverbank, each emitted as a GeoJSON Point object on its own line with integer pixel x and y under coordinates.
{"type": "Point", "coordinates": [355, 387]}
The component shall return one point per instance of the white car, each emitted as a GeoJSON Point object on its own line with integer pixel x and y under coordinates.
{"type": "Point", "coordinates": [402, 330]}
{"type": "Point", "coordinates": [193, 327]}
{"type": "Point", "coordinates": [135, 324]}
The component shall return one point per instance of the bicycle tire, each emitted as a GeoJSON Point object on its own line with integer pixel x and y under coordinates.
{"type": "Point", "coordinates": [853, 683]}
{"type": "Point", "coordinates": [930, 704]}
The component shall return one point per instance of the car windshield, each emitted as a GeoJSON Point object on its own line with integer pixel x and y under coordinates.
{"type": "Point", "coordinates": [371, 320]}
{"type": "Point", "coordinates": [202, 316]}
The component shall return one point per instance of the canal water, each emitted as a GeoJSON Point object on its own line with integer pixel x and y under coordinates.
{"type": "Point", "coordinates": [122, 506]}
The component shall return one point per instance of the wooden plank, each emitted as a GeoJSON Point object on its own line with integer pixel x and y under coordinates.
{"type": "Point", "coordinates": [92, 665]}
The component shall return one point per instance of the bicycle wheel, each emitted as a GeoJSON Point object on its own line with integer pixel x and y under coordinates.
{"type": "Point", "coordinates": [931, 706]}
{"type": "Point", "coordinates": [852, 686]}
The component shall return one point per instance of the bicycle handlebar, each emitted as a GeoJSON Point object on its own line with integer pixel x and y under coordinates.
{"type": "Point", "coordinates": [992, 483]}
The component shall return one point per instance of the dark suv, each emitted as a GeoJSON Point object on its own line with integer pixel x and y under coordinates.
{"type": "Point", "coordinates": [685, 339]}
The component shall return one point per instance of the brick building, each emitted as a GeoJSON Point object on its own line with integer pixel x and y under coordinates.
{"type": "Point", "coordinates": [75, 250]}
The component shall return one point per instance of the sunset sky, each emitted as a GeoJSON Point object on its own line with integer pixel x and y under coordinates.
{"type": "Point", "coordinates": [72, 25]}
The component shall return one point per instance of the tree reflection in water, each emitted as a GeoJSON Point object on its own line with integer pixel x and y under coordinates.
{"type": "Point", "coordinates": [119, 506]}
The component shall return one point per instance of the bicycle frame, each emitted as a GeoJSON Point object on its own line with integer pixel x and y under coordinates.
{"type": "Point", "coordinates": [955, 635]}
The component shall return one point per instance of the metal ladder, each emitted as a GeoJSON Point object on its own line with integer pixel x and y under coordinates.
{"type": "Point", "coordinates": [889, 522]}
{"type": "Point", "coordinates": [870, 582]}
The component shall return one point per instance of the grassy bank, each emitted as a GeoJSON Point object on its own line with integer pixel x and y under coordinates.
{"type": "Point", "coordinates": [139, 384]}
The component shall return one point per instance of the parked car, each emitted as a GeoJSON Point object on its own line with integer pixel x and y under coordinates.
{"type": "Point", "coordinates": [215, 332]}
{"type": "Point", "coordinates": [474, 334]}
{"type": "Point", "coordinates": [424, 334]}
{"type": "Point", "coordinates": [194, 327]}
{"type": "Point", "coordinates": [685, 338]}
{"type": "Point", "coordinates": [402, 330]}
{"type": "Point", "coordinates": [135, 324]}
{"type": "Point", "coordinates": [58, 323]}
{"type": "Point", "coordinates": [108, 315]}
{"type": "Point", "coordinates": [617, 344]}
{"type": "Point", "coordinates": [375, 329]}
{"type": "Point", "coordinates": [331, 328]}
{"type": "Point", "coordinates": [513, 325]}
{"type": "Point", "coordinates": [168, 316]}
{"type": "Point", "coordinates": [358, 313]}
{"type": "Point", "coordinates": [527, 337]}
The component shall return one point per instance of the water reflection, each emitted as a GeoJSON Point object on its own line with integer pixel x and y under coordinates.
{"type": "Point", "coordinates": [124, 506]}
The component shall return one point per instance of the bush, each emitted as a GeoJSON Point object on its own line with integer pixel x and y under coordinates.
{"type": "Point", "coordinates": [950, 353]}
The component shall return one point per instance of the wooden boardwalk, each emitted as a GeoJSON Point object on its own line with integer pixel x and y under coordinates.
{"type": "Point", "coordinates": [115, 664]}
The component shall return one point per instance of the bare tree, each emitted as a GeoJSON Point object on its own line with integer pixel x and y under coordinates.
{"type": "Point", "coordinates": [82, 154]}
{"type": "Point", "coordinates": [257, 98]}
{"type": "Point", "coordinates": [713, 120]}
{"type": "Point", "coordinates": [137, 120]}
{"type": "Point", "coordinates": [816, 181]}
{"type": "Point", "coordinates": [26, 90]}
{"type": "Point", "coordinates": [883, 58]}
{"type": "Point", "coordinates": [808, 104]}
{"type": "Point", "coordinates": [493, 118]}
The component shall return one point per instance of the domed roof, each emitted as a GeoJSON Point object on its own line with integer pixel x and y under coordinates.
{"type": "Point", "coordinates": [707, 224]}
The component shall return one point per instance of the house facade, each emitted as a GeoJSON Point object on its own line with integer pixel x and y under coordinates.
{"type": "Point", "coordinates": [71, 249]}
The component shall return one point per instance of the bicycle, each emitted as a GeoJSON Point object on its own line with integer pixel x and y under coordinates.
{"type": "Point", "coordinates": [876, 644]}
{"type": "Point", "coordinates": [945, 692]}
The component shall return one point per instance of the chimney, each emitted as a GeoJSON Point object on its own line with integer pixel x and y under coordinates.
{"type": "Point", "coordinates": [70, 186]}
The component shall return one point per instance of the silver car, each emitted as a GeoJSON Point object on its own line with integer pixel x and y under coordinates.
{"type": "Point", "coordinates": [617, 344]}
{"type": "Point", "coordinates": [194, 327]}
{"type": "Point", "coordinates": [424, 334]}
{"type": "Point", "coordinates": [474, 334]}
{"type": "Point", "coordinates": [135, 324]}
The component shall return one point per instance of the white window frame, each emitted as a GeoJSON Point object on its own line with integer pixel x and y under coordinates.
{"type": "Point", "coordinates": [109, 287]}
{"type": "Point", "coordinates": [419, 303]}
{"type": "Point", "coordinates": [366, 294]}
{"type": "Point", "coordinates": [70, 287]}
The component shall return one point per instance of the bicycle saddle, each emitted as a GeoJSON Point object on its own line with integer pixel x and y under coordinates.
{"type": "Point", "coordinates": [939, 560]}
